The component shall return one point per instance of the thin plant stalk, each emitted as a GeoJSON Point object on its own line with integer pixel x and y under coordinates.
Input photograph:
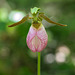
{"type": "Point", "coordinates": [38, 65]}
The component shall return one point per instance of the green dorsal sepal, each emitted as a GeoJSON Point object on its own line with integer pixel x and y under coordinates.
{"type": "Point", "coordinates": [34, 10]}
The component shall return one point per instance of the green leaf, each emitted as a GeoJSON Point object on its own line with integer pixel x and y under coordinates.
{"type": "Point", "coordinates": [35, 10]}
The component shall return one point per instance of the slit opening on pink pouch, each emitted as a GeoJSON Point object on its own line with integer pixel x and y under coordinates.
{"type": "Point", "coordinates": [36, 42]}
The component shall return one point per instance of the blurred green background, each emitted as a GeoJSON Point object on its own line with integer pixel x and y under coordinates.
{"type": "Point", "coordinates": [58, 58]}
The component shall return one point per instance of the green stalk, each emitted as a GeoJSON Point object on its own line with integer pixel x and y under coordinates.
{"type": "Point", "coordinates": [38, 66]}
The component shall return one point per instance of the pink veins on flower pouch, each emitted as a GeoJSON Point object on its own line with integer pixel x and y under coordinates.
{"type": "Point", "coordinates": [37, 39]}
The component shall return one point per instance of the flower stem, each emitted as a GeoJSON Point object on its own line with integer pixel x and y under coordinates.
{"type": "Point", "coordinates": [38, 66]}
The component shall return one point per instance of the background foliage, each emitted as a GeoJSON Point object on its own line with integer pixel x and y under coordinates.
{"type": "Point", "coordinates": [58, 58]}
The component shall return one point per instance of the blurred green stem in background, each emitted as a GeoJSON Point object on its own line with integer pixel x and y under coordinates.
{"type": "Point", "coordinates": [38, 65]}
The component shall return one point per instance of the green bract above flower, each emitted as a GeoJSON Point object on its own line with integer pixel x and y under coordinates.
{"type": "Point", "coordinates": [34, 10]}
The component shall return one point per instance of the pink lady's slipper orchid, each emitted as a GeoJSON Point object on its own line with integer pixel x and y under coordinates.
{"type": "Point", "coordinates": [37, 37]}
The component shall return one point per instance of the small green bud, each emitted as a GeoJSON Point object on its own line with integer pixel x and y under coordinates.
{"type": "Point", "coordinates": [34, 10]}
